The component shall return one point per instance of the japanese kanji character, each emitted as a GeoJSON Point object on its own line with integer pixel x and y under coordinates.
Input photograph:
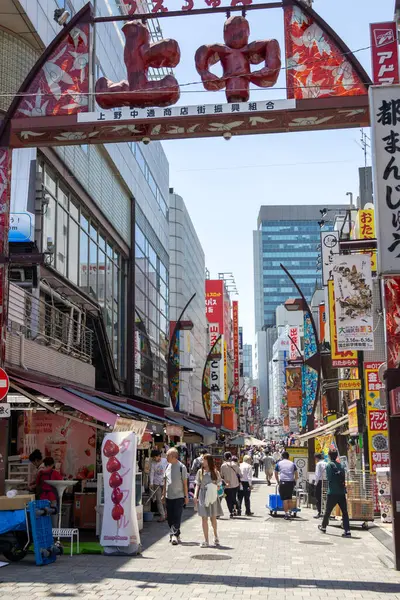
{"type": "Point", "coordinates": [392, 141]}
{"type": "Point", "coordinates": [396, 242]}
{"type": "Point", "coordinates": [167, 112]}
{"type": "Point", "coordinates": [201, 110]}
{"type": "Point", "coordinates": [389, 112]}
{"type": "Point", "coordinates": [134, 113]}
{"type": "Point", "coordinates": [236, 56]}
{"type": "Point", "coordinates": [391, 169]}
{"type": "Point", "coordinates": [101, 117]}
{"type": "Point", "coordinates": [235, 108]}
{"type": "Point", "coordinates": [151, 112]}
{"type": "Point", "coordinates": [139, 55]}
{"type": "Point", "coordinates": [218, 108]}
{"type": "Point", "coordinates": [117, 114]}
{"type": "Point", "coordinates": [252, 105]}
{"type": "Point", "coordinates": [184, 110]}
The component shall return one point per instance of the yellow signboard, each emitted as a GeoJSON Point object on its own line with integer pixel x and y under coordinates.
{"type": "Point", "coordinates": [365, 230]}
{"type": "Point", "coordinates": [349, 384]}
{"type": "Point", "coordinates": [376, 418]}
{"type": "Point", "coordinates": [353, 418]}
{"type": "Point", "coordinates": [346, 358]}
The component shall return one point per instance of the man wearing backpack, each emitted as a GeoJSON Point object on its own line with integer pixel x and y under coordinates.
{"type": "Point", "coordinates": [175, 493]}
{"type": "Point", "coordinates": [336, 477]}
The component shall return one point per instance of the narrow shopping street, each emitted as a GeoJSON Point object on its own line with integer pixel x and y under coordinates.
{"type": "Point", "coordinates": [259, 557]}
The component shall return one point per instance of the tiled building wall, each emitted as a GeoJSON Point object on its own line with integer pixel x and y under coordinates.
{"type": "Point", "coordinates": [16, 60]}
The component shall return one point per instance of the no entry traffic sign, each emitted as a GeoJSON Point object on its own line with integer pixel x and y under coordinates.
{"type": "Point", "coordinates": [4, 384]}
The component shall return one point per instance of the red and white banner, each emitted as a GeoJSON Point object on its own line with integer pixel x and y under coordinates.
{"type": "Point", "coordinates": [235, 319]}
{"type": "Point", "coordinates": [385, 53]}
{"type": "Point", "coordinates": [294, 343]}
{"type": "Point", "coordinates": [120, 526]}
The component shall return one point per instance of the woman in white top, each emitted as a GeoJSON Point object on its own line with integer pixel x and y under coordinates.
{"type": "Point", "coordinates": [208, 476]}
{"type": "Point", "coordinates": [246, 481]}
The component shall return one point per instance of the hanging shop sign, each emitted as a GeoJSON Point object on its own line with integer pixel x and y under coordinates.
{"type": "Point", "coordinates": [293, 334]}
{"type": "Point", "coordinates": [254, 397]}
{"type": "Point", "coordinates": [329, 248]}
{"type": "Point", "coordinates": [365, 230]}
{"type": "Point", "coordinates": [385, 145]}
{"type": "Point", "coordinates": [378, 443]}
{"type": "Point", "coordinates": [138, 427]}
{"type": "Point", "coordinates": [236, 368]}
{"type": "Point", "coordinates": [293, 387]}
{"type": "Point", "coordinates": [353, 302]}
{"type": "Point", "coordinates": [322, 322]}
{"type": "Point", "coordinates": [214, 308]}
{"type": "Point", "coordinates": [120, 527]}
{"type": "Point", "coordinates": [349, 384]}
{"type": "Point", "coordinates": [347, 358]}
{"type": "Point", "coordinates": [300, 458]}
{"type": "Point", "coordinates": [216, 386]}
{"type": "Point", "coordinates": [353, 419]}
{"type": "Point", "coordinates": [385, 54]}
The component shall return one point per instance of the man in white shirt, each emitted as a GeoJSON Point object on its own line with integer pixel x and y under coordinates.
{"type": "Point", "coordinates": [256, 463]}
{"type": "Point", "coordinates": [230, 473]}
{"type": "Point", "coordinates": [286, 476]}
{"type": "Point", "coordinates": [320, 466]}
{"type": "Point", "coordinates": [157, 472]}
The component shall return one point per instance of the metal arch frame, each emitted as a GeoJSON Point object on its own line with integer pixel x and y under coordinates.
{"type": "Point", "coordinates": [204, 389]}
{"type": "Point", "coordinates": [171, 369]}
{"type": "Point", "coordinates": [315, 361]}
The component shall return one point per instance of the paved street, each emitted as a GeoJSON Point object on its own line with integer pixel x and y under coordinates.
{"type": "Point", "coordinates": [260, 557]}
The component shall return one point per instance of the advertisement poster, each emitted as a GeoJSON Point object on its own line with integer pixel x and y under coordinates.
{"type": "Point", "coordinates": [120, 527]}
{"type": "Point", "coordinates": [293, 334]}
{"type": "Point", "coordinates": [293, 387]}
{"type": "Point", "coordinates": [376, 418]}
{"type": "Point", "coordinates": [71, 444]}
{"type": "Point", "coordinates": [353, 302]}
{"type": "Point", "coordinates": [235, 319]}
{"type": "Point", "coordinates": [347, 358]}
{"type": "Point", "coordinates": [329, 248]}
{"type": "Point", "coordinates": [384, 53]}
{"type": "Point", "coordinates": [324, 443]}
{"type": "Point", "coordinates": [353, 419]}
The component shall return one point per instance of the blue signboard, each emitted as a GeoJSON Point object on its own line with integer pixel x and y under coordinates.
{"type": "Point", "coordinates": [21, 227]}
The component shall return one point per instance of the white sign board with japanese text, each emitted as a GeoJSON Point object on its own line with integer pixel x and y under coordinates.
{"type": "Point", "coordinates": [216, 385]}
{"type": "Point", "coordinates": [329, 247]}
{"type": "Point", "coordinates": [352, 280]}
{"type": "Point", "coordinates": [385, 130]}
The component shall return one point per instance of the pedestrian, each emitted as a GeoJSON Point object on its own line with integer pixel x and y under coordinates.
{"type": "Point", "coordinates": [198, 461]}
{"type": "Point", "coordinates": [256, 463]}
{"type": "Point", "coordinates": [320, 466]}
{"type": "Point", "coordinates": [206, 497]}
{"type": "Point", "coordinates": [336, 477]}
{"type": "Point", "coordinates": [36, 459]}
{"type": "Point", "coordinates": [286, 476]}
{"type": "Point", "coordinates": [43, 490]}
{"type": "Point", "coordinates": [246, 481]}
{"type": "Point", "coordinates": [230, 473]}
{"type": "Point", "coordinates": [262, 459]}
{"type": "Point", "coordinates": [276, 455]}
{"type": "Point", "coordinates": [269, 465]}
{"type": "Point", "coordinates": [175, 493]}
{"type": "Point", "coordinates": [157, 472]}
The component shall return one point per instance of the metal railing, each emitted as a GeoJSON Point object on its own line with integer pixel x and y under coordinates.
{"type": "Point", "coordinates": [41, 321]}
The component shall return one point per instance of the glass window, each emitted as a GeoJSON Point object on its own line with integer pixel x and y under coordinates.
{"type": "Point", "coordinates": [101, 276]}
{"type": "Point", "coordinates": [73, 251]}
{"type": "Point", "coordinates": [83, 261]}
{"type": "Point", "coordinates": [93, 291]}
{"type": "Point", "coordinates": [62, 197]}
{"type": "Point", "coordinates": [62, 241]}
{"type": "Point", "coordinates": [74, 209]}
{"type": "Point", "coordinates": [102, 242]}
{"type": "Point", "coordinates": [84, 222]}
{"type": "Point", "coordinates": [49, 224]}
{"type": "Point", "coordinates": [93, 232]}
{"type": "Point", "coordinates": [153, 259]}
{"type": "Point", "coordinates": [50, 181]}
{"type": "Point", "coordinates": [140, 239]}
{"type": "Point", "coordinates": [152, 184]}
{"type": "Point", "coordinates": [109, 300]}
{"type": "Point", "coordinates": [109, 251]}
{"type": "Point", "coordinates": [140, 159]}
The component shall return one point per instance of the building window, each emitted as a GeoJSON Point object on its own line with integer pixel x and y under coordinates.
{"type": "Point", "coordinates": [84, 254]}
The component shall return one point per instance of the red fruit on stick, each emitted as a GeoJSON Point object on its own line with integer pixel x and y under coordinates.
{"type": "Point", "coordinates": [110, 449]}
{"type": "Point", "coordinates": [115, 480]}
{"type": "Point", "coordinates": [117, 512]}
{"type": "Point", "coordinates": [113, 465]}
{"type": "Point", "coordinates": [117, 496]}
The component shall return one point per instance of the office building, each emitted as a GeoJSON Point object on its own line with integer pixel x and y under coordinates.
{"type": "Point", "coordinates": [248, 361]}
{"type": "Point", "coordinates": [289, 235]}
{"type": "Point", "coordinates": [187, 275]}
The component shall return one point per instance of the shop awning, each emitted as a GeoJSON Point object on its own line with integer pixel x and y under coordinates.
{"type": "Point", "coordinates": [209, 435]}
{"type": "Point", "coordinates": [61, 395]}
{"type": "Point", "coordinates": [324, 429]}
{"type": "Point", "coordinates": [242, 440]}
{"type": "Point", "coordinates": [124, 409]}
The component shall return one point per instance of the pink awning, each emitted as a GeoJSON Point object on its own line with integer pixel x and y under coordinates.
{"type": "Point", "coordinates": [68, 399]}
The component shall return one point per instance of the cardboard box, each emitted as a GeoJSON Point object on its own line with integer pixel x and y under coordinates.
{"type": "Point", "coordinates": [15, 503]}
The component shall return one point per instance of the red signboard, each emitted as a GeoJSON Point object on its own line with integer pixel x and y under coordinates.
{"type": "Point", "coordinates": [215, 308]}
{"type": "Point", "coordinates": [235, 318]}
{"type": "Point", "coordinates": [254, 399]}
{"type": "Point", "coordinates": [4, 384]}
{"type": "Point", "coordinates": [385, 55]}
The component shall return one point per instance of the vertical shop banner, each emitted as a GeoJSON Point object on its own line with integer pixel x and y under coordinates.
{"type": "Point", "coordinates": [216, 386]}
{"type": "Point", "coordinates": [235, 319]}
{"type": "Point", "coordinates": [353, 302]}
{"type": "Point", "coordinates": [329, 248]}
{"type": "Point", "coordinates": [365, 230]}
{"type": "Point", "coordinates": [376, 418]}
{"type": "Point", "coordinates": [384, 53]}
{"type": "Point", "coordinates": [391, 287]}
{"type": "Point", "coordinates": [322, 322]}
{"type": "Point", "coordinates": [300, 458]}
{"type": "Point", "coordinates": [347, 358]}
{"type": "Point", "coordinates": [293, 387]}
{"type": "Point", "coordinates": [309, 375]}
{"type": "Point", "coordinates": [353, 418]}
{"type": "Point", "coordinates": [385, 147]}
{"type": "Point", "coordinates": [215, 308]}
{"type": "Point", "coordinates": [254, 397]}
{"type": "Point", "coordinates": [120, 527]}
{"type": "Point", "coordinates": [293, 334]}
{"type": "Point", "coordinates": [240, 355]}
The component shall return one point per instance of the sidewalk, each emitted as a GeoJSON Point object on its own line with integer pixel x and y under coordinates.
{"type": "Point", "coordinates": [260, 557]}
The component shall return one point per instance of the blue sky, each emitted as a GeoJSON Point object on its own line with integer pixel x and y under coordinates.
{"type": "Point", "coordinates": [224, 183]}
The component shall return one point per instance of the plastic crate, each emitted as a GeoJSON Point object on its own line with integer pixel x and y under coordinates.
{"type": "Point", "coordinates": [275, 502]}
{"type": "Point", "coordinates": [42, 534]}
